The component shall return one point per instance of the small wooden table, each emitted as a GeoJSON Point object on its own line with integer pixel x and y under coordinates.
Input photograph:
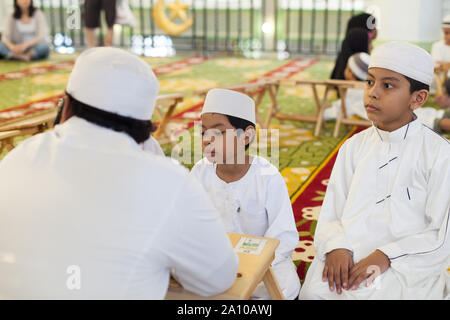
{"type": "Point", "coordinates": [252, 269]}
{"type": "Point", "coordinates": [25, 127]}
{"type": "Point", "coordinates": [342, 118]}
{"type": "Point", "coordinates": [42, 121]}
{"type": "Point", "coordinates": [321, 103]}
{"type": "Point", "coordinates": [171, 100]}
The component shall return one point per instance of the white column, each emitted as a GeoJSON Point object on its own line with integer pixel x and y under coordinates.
{"type": "Point", "coordinates": [6, 8]}
{"type": "Point", "coordinates": [408, 20]}
{"type": "Point", "coordinates": [268, 26]}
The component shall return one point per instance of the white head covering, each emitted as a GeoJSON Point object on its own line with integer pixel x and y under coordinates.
{"type": "Point", "coordinates": [230, 102]}
{"type": "Point", "coordinates": [446, 21]}
{"type": "Point", "coordinates": [359, 65]}
{"type": "Point", "coordinates": [404, 58]}
{"type": "Point", "coordinates": [115, 81]}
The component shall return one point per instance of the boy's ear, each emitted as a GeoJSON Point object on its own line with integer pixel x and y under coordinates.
{"type": "Point", "coordinates": [418, 99]}
{"type": "Point", "coordinates": [250, 134]}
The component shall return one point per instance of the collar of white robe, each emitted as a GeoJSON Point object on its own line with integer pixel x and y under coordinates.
{"type": "Point", "coordinates": [400, 134]}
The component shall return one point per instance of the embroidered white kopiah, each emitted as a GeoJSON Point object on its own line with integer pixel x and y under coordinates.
{"type": "Point", "coordinates": [404, 58]}
{"type": "Point", "coordinates": [230, 103]}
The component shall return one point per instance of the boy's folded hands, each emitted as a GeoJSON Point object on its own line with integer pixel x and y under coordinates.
{"type": "Point", "coordinates": [341, 272]}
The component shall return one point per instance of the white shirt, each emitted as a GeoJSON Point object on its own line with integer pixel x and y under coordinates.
{"type": "Point", "coordinates": [390, 191]}
{"type": "Point", "coordinates": [152, 145]}
{"type": "Point", "coordinates": [258, 204]}
{"type": "Point", "coordinates": [354, 105]}
{"type": "Point", "coordinates": [85, 196]}
{"type": "Point", "coordinates": [440, 51]}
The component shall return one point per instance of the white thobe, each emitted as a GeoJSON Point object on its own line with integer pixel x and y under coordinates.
{"type": "Point", "coordinates": [87, 214]}
{"type": "Point", "coordinates": [388, 191]}
{"type": "Point", "coordinates": [258, 204]}
{"type": "Point", "coordinates": [152, 145]}
{"type": "Point", "coordinates": [428, 115]}
{"type": "Point", "coordinates": [354, 105]}
{"type": "Point", "coordinates": [440, 52]}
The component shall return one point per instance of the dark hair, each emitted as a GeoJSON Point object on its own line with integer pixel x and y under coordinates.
{"type": "Point", "coordinates": [18, 12]}
{"type": "Point", "coordinates": [242, 124]}
{"type": "Point", "coordinates": [447, 86]}
{"type": "Point", "coordinates": [139, 130]}
{"type": "Point", "coordinates": [416, 85]}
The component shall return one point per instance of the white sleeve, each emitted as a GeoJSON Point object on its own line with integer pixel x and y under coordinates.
{"type": "Point", "coordinates": [330, 234]}
{"type": "Point", "coordinates": [437, 211]}
{"type": "Point", "coordinates": [199, 248]}
{"type": "Point", "coordinates": [280, 218]}
{"type": "Point", "coordinates": [436, 52]}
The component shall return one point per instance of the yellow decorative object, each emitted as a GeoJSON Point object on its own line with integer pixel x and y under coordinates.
{"type": "Point", "coordinates": [178, 10]}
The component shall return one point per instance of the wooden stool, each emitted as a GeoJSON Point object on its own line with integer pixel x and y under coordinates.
{"type": "Point", "coordinates": [342, 118]}
{"type": "Point", "coordinates": [319, 101]}
{"type": "Point", "coordinates": [41, 122]}
{"type": "Point", "coordinates": [252, 269]}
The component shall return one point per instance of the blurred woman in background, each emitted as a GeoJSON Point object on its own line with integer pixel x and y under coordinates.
{"type": "Point", "coordinates": [25, 33]}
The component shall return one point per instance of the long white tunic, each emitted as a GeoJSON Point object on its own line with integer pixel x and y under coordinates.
{"type": "Point", "coordinates": [258, 204]}
{"type": "Point", "coordinates": [440, 52]}
{"type": "Point", "coordinates": [86, 213]}
{"type": "Point", "coordinates": [388, 191]}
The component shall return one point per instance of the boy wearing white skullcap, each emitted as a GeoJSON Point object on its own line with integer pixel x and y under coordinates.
{"type": "Point", "coordinates": [248, 191]}
{"type": "Point", "coordinates": [384, 225]}
{"type": "Point", "coordinates": [440, 50]}
{"type": "Point", "coordinates": [84, 202]}
{"type": "Point", "coordinates": [356, 70]}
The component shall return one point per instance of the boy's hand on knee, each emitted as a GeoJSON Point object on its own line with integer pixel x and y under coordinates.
{"type": "Point", "coordinates": [376, 262]}
{"type": "Point", "coordinates": [337, 268]}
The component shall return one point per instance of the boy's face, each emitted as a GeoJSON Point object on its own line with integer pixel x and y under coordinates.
{"type": "Point", "coordinates": [388, 101]}
{"type": "Point", "coordinates": [220, 141]}
{"type": "Point", "coordinates": [446, 31]}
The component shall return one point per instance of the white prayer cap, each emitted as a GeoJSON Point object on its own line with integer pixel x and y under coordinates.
{"type": "Point", "coordinates": [230, 102]}
{"type": "Point", "coordinates": [359, 65]}
{"type": "Point", "coordinates": [446, 21]}
{"type": "Point", "coordinates": [404, 58]}
{"type": "Point", "coordinates": [115, 81]}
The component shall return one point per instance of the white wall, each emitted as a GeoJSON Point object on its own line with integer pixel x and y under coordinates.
{"type": "Point", "coordinates": [409, 20]}
{"type": "Point", "coordinates": [5, 9]}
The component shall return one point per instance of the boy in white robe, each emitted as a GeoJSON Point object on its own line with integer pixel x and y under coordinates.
{"type": "Point", "coordinates": [357, 67]}
{"type": "Point", "coordinates": [384, 225]}
{"type": "Point", "coordinates": [248, 191]}
{"type": "Point", "coordinates": [440, 50]}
